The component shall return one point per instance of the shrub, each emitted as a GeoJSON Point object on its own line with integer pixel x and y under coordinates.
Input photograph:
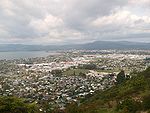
{"type": "Point", "coordinates": [129, 105]}
{"type": "Point", "coordinates": [16, 105]}
{"type": "Point", "coordinates": [146, 102]}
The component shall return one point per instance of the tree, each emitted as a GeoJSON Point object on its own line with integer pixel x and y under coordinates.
{"type": "Point", "coordinates": [146, 73]}
{"type": "Point", "coordinates": [16, 105]}
{"type": "Point", "coordinates": [88, 66]}
{"type": "Point", "coordinates": [146, 102]}
{"type": "Point", "coordinates": [56, 72]}
{"type": "Point", "coordinates": [82, 75]}
{"type": "Point", "coordinates": [129, 106]}
{"type": "Point", "coordinates": [72, 108]}
{"type": "Point", "coordinates": [121, 77]}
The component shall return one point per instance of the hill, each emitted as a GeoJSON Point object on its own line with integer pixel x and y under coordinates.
{"type": "Point", "coordinates": [16, 105]}
{"type": "Point", "coordinates": [87, 46]}
{"type": "Point", "coordinates": [116, 45]}
{"type": "Point", "coordinates": [131, 96]}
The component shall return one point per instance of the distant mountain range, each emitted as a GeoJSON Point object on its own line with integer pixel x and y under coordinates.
{"type": "Point", "coordinates": [89, 46]}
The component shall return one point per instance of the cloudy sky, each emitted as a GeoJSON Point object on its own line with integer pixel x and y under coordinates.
{"type": "Point", "coordinates": [73, 21]}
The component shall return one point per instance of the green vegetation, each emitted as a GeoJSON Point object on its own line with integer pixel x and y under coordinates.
{"type": "Point", "coordinates": [130, 96]}
{"type": "Point", "coordinates": [146, 102]}
{"type": "Point", "coordinates": [75, 71]}
{"type": "Point", "coordinates": [107, 71]}
{"type": "Point", "coordinates": [129, 105]}
{"type": "Point", "coordinates": [121, 77]}
{"type": "Point", "coordinates": [16, 105]}
{"type": "Point", "coordinates": [56, 72]}
{"type": "Point", "coordinates": [88, 66]}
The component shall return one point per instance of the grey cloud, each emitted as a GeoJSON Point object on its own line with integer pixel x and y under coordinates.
{"type": "Point", "coordinates": [80, 12]}
{"type": "Point", "coordinates": [63, 21]}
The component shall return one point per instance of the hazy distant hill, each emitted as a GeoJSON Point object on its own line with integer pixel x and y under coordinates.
{"type": "Point", "coordinates": [89, 46]}
{"type": "Point", "coordinates": [116, 45]}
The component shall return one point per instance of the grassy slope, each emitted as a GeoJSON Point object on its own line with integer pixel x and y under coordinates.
{"type": "Point", "coordinates": [106, 102]}
{"type": "Point", "coordinates": [16, 105]}
{"type": "Point", "coordinates": [76, 71]}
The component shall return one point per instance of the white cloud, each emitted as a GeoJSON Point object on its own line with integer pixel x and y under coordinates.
{"type": "Point", "coordinates": [139, 2]}
{"type": "Point", "coordinates": [122, 19]}
{"type": "Point", "coordinates": [47, 23]}
{"type": "Point", "coordinates": [72, 21]}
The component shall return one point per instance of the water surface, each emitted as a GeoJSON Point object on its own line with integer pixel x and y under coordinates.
{"type": "Point", "coordinates": [24, 54]}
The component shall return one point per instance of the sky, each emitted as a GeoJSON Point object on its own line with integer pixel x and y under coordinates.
{"type": "Point", "coordinates": [73, 21]}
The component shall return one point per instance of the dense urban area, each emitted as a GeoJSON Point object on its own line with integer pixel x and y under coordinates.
{"type": "Point", "coordinates": [69, 76]}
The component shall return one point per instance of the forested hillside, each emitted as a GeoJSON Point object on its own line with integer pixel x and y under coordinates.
{"type": "Point", "coordinates": [130, 96]}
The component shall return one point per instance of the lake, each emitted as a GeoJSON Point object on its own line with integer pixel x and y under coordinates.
{"type": "Point", "coordinates": [24, 54]}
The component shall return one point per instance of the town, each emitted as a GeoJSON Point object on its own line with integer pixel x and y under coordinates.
{"type": "Point", "coordinates": [68, 76]}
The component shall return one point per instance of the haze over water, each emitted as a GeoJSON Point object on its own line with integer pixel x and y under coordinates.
{"type": "Point", "coordinates": [24, 54]}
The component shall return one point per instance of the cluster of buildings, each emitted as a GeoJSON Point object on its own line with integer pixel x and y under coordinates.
{"type": "Point", "coordinates": [62, 65]}
{"type": "Point", "coordinates": [115, 62]}
{"type": "Point", "coordinates": [58, 91]}
{"type": "Point", "coordinates": [32, 78]}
